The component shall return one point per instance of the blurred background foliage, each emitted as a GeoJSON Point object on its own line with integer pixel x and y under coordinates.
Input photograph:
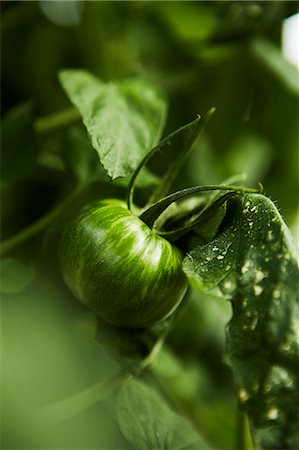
{"type": "Point", "coordinates": [225, 54]}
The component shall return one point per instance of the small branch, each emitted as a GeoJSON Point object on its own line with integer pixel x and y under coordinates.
{"type": "Point", "coordinates": [38, 226]}
{"type": "Point", "coordinates": [56, 120]}
{"type": "Point", "coordinates": [150, 215]}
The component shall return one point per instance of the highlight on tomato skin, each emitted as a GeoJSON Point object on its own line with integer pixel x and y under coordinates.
{"type": "Point", "coordinates": [119, 268]}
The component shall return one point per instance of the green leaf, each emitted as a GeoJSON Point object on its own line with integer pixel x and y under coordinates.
{"type": "Point", "coordinates": [271, 57]}
{"type": "Point", "coordinates": [82, 161]}
{"type": "Point", "coordinates": [16, 276]}
{"type": "Point", "coordinates": [149, 423]}
{"type": "Point", "coordinates": [18, 144]}
{"type": "Point", "coordinates": [255, 266]}
{"type": "Point", "coordinates": [124, 119]}
{"type": "Point", "coordinates": [209, 228]}
{"type": "Point", "coordinates": [180, 143]}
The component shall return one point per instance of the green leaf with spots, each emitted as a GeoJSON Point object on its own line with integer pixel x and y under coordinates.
{"type": "Point", "coordinates": [253, 263]}
{"type": "Point", "coordinates": [148, 423]}
{"type": "Point", "coordinates": [123, 119]}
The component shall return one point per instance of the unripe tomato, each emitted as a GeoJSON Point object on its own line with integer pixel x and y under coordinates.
{"type": "Point", "coordinates": [118, 267]}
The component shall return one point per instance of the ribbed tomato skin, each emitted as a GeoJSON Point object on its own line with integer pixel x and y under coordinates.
{"type": "Point", "coordinates": [118, 267]}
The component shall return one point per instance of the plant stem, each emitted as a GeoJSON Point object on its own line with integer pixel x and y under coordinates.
{"type": "Point", "coordinates": [213, 203]}
{"type": "Point", "coordinates": [150, 215]}
{"type": "Point", "coordinates": [38, 226]}
{"type": "Point", "coordinates": [69, 407]}
{"type": "Point", "coordinates": [56, 120]}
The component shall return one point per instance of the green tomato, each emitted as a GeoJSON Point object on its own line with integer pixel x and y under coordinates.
{"type": "Point", "coordinates": [120, 268]}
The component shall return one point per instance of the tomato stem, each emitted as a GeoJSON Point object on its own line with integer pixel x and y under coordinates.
{"type": "Point", "coordinates": [150, 215]}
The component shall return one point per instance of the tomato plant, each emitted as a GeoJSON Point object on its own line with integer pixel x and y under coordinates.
{"type": "Point", "coordinates": [135, 138]}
